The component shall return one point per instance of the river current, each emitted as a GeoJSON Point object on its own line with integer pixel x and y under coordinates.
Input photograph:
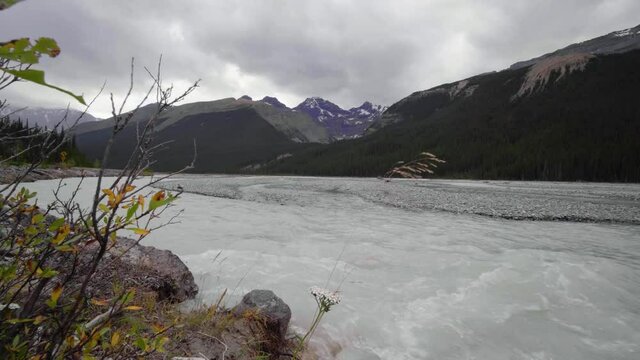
{"type": "Point", "coordinates": [416, 283]}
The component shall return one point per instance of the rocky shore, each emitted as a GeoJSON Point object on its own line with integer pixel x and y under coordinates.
{"type": "Point", "coordinates": [515, 200]}
{"type": "Point", "coordinates": [256, 326]}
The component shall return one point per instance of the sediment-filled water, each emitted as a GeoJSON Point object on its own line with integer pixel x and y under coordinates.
{"type": "Point", "coordinates": [421, 282]}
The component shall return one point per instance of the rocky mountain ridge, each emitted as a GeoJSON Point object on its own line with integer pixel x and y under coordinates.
{"type": "Point", "coordinates": [616, 42]}
{"type": "Point", "coordinates": [341, 123]}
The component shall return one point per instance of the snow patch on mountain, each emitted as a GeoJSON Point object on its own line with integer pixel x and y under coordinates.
{"type": "Point", "coordinates": [44, 117]}
{"type": "Point", "coordinates": [341, 123]}
{"type": "Point", "coordinates": [626, 32]}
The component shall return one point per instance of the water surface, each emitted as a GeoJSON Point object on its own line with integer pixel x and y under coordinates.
{"type": "Point", "coordinates": [416, 283]}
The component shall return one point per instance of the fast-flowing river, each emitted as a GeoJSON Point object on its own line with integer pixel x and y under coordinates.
{"type": "Point", "coordinates": [422, 275]}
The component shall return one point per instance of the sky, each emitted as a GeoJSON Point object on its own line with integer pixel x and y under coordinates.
{"type": "Point", "coordinates": [344, 51]}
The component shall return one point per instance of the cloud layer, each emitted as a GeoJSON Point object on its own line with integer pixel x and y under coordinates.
{"type": "Point", "coordinates": [345, 51]}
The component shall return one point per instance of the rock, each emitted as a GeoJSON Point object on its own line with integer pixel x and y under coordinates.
{"type": "Point", "coordinates": [276, 312]}
{"type": "Point", "coordinates": [168, 276]}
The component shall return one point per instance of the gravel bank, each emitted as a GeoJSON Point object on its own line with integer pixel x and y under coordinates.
{"type": "Point", "coordinates": [9, 173]}
{"type": "Point", "coordinates": [517, 200]}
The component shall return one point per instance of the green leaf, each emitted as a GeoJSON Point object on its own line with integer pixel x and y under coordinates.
{"type": "Point", "coordinates": [156, 204]}
{"type": "Point", "coordinates": [37, 218]}
{"type": "Point", "coordinates": [22, 51]}
{"type": "Point", "coordinates": [30, 230]}
{"type": "Point", "coordinates": [16, 50]}
{"type": "Point", "coordinates": [66, 248]}
{"type": "Point", "coordinates": [132, 210]}
{"type": "Point", "coordinates": [103, 208]}
{"type": "Point", "coordinates": [139, 231]}
{"type": "Point", "coordinates": [55, 225]}
{"type": "Point", "coordinates": [46, 273]}
{"type": "Point", "coordinates": [128, 296]}
{"type": "Point", "coordinates": [29, 195]}
{"type": "Point", "coordinates": [5, 4]}
{"type": "Point", "coordinates": [37, 76]}
{"type": "Point", "coordinates": [55, 295]}
{"type": "Point", "coordinates": [16, 341]}
{"type": "Point", "coordinates": [160, 343]}
{"type": "Point", "coordinates": [47, 46]}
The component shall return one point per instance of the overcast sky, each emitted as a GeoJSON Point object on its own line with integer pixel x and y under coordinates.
{"type": "Point", "coordinates": [344, 51]}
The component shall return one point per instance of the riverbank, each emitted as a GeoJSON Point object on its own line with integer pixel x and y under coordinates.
{"type": "Point", "coordinates": [10, 173]}
{"type": "Point", "coordinates": [513, 200]}
{"type": "Point", "coordinates": [166, 292]}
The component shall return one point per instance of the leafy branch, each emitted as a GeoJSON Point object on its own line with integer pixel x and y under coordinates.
{"type": "Point", "coordinates": [25, 53]}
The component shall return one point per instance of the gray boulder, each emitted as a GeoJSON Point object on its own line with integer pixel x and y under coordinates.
{"type": "Point", "coordinates": [164, 272]}
{"type": "Point", "coordinates": [276, 312]}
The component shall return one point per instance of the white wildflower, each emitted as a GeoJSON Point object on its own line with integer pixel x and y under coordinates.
{"type": "Point", "coordinates": [325, 298]}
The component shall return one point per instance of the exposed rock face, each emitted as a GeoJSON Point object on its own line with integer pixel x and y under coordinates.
{"type": "Point", "coordinates": [276, 311]}
{"type": "Point", "coordinates": [540, 73]}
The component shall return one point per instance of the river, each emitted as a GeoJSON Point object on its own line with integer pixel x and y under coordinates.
{"type": "Point", "coordinates": [422, 275]}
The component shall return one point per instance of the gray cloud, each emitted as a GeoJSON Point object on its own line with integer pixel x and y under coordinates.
{"type": "Point", "coordinates": [346, 51]}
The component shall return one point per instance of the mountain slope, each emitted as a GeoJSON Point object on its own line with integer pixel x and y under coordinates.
{"type": "Point", "coordinates": [229, 134]}
{"type": "Point", "coordinates": [617, 42]}
{"type": "Point", "coordinates": [49, 118]}
{"type": "Point", "coordinates": [569, 116]}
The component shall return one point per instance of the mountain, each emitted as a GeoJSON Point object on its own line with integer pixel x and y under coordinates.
{"type": "Point", "coordinates": [616, 42]}
{"type": "Point", "coordinates": [229, 133]}
{"type": "Point", "coordinates": [341, 124]}
{"type": "Point", "coordinates": [273, 102]}
{"type": "Point", "coordinates": [49, 118]}
{"type": "Point", "coordinates": [569, 115]}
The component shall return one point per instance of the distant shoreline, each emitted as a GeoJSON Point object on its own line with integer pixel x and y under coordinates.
{"type": "Point", "coordinates": [601, 203]}
{"type": "Point", "coordinates": [10, 173]}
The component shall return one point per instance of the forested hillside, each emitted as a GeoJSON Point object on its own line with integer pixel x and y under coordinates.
{"type": "Point", "coordinates": [229, 134]}
{"type": "Point", "coordinates": [583, 123]}
{"type": "Point", "coordinates": [20, 144]}
{"type": "Point", "coordinates": [226, 141]}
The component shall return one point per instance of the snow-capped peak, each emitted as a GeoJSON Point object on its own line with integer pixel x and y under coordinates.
{"type": "Point", "coordinates": [341, 123]}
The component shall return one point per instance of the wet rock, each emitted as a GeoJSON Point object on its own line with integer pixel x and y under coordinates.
{"type": "Point", "coordinates": [276, 312]}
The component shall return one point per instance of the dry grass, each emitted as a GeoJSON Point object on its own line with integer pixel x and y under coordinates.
{"type": "Point", "coordinates": [424, 164]}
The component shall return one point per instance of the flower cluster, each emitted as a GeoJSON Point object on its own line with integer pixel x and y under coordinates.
{"type": "Point", "coordinates": [325, 298]}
